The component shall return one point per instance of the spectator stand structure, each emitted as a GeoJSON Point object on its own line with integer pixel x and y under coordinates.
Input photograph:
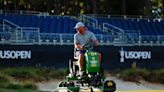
{"type": "Point", "coordinates": [42, 28]}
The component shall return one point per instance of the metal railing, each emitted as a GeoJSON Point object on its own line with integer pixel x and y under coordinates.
{"type": "Point", "coordinates": [126, 36]}
{"type": "Point", "coordinates": [122, 16]}
{"type": "Point", "coordinates": [89, 21]}
{"type": "Point", "coordinates": [14, 34]}
{"type": "Point", "coordinates": [24, 12]}
{"type": "Point", "coordinates": [112, 29]}
{"type": "Point", "coordinates": [67, 39]}
{"type": "Point", "coordinates": [18, 33]}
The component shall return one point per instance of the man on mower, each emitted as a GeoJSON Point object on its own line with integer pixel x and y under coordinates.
{"type": "Point", "coordinates": [82, 37]}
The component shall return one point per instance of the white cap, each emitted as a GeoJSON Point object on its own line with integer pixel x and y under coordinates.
{"type": "Point", "coordinates": [79, 24]}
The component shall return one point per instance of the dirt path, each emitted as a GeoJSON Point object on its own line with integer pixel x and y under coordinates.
{"type": "Point", "coordinates": [121, 85]}
{"type": "Point", "coordinates": [125, 85]}
{"type": "Point", "coordinates": [48, 86]}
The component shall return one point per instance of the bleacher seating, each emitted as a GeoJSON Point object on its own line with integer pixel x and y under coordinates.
{"type": "Point", "coordinates": [50, 25]}
{"type": "Point", "coordinates": [65, 24]}
{"type": "Point", "coordinates": [144, 26]}
{"type": "Point", "coordinates": [47, 24]}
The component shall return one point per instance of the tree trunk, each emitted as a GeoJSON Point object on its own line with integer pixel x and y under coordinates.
{"type": "Point", "coordinates": [94, 6]}
{"type": "Point", "coordinates": [123, 7]}
{"type": "Point", "coordinates": [148, 8]}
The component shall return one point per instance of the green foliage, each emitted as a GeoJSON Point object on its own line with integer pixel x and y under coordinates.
{"type": "Point", "coordinates": [156, 76]}
{"type": "Point", "coordinates": [4, 78]}
{"type": "Point", "coordinates": [22, 73]}
{"type": "Point", "coordinates": [130, 75]}
{"type": "Point", "coordinates": [74, 7]}
{"type": "Point", "coordinates": [25, 77]}
{"type": "Point", "coordinates": [29, 86]}
{"type": "Point", "coordinates": [8, 82]}
{"type": "Point", "coordinates": [35, 74]}
{"type": "Point", "coordinates": [136, 75]}
{"type": "Point", "coordinates": [17, 90]}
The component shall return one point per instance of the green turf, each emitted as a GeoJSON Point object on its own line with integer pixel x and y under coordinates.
{"type": "Point", "coordinates": [17, 90]}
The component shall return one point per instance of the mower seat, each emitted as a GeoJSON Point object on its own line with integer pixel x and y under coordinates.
{"type": "Point", "coordinates": [76, 54]}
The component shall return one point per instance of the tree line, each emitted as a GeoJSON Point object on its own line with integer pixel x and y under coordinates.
{"type": "Point", "coordinates": [75, 7]}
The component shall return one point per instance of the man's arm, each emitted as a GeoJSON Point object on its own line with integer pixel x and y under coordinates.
{"type": "Point", "coordinates": [96, 43]}
{"type": "Point", "coordinates": [94, 39]}
{"type": "Point", "coordinates": [76, 43]}
{"type": "Point", "coordinates": [78, 46]}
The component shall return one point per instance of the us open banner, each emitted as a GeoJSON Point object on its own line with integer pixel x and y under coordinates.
{"type": "Point", "coordinates": [11, 54]}
{"type": "Point", "coordinates": [123, 57]}
{"type": "Point", "coordinates": [135, 55]}
{"type": "Point", "coordinates": [35, 55]}
{"type": "Point", "coordinates": [113, 57]}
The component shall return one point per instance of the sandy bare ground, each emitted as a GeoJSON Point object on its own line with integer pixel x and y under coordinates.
{"type": "Point", "coordinates": [121, 85]}
{"type": "Point", "coordinates": [125, 85]}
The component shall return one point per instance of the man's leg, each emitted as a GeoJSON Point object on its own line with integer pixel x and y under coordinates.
{"type": "Point", "coordinates": [99, 57]}
{"type": "Point", "coordinates": [80, 62]}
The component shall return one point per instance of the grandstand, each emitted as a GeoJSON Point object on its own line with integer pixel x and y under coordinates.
{"type": "Point", "coordinates": [144, 26]}
{"type": "Point", "coordinates": [26, 28]}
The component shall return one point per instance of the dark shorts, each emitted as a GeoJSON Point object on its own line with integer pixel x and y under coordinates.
{"type": "Point", "coordinates": [82, 52]}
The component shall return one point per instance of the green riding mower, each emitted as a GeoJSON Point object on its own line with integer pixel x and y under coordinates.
{"type": "Point", "coordinates": [91, 80]}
